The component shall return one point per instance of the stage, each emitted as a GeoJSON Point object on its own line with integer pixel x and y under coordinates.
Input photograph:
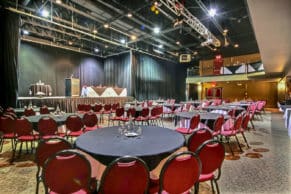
{"type": "Point", "coordinates": [69, 104]}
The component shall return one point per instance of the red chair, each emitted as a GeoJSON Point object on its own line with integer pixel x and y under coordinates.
{"type": "Point", "coordinates": [106, 111]}
{"type": "Point", "coordinates": [156, 116]}
{"type": "Point", "coordinates": [244, 126]}
{"type": "Point", "coordinates": [68, 171]}
{"type": "Point", "coordinates": [144, 116]}
{"type": "Point", "coordinates": [194, 122]}
{"type": "Point", "coordinates": [74, 126]}
{"type": "Point", "coordinates": [211, 154]}
{"type": "Point", "coordinates": [44, 110]}
{"type": "Point", "coordinates": [197, 138]}
{"type": "Point", "coordinates": [7, 128]}
{"type": "Point", "coordinates": [114, 107]}
{"type": "Point", "coordinates": [24, 133]}
{"type": "Point", "coordinates": [81, 108]}
{"type": "Point", "coordinates": [46, 148]}
{"type": "Point", "coordinates": [87, 107]}
{"type": "Point", "coordinates": [125, 175]}
{"type": "Point", "coordinates": [230, 129]}
{"type": "Point", "coordinates": [119, 116]}
{"type": "Point", "coordinates": [178, 175]}
{"type": "Point", "coordinates": [90, 121]}
{"type": "Point", "coordinates": [29, 112]}
{"type": "Point", "coordinates": [48, 128]}
{"type": "Point", "coordinates": [217, 126]}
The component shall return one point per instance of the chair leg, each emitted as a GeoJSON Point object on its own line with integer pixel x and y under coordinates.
{"type": "Point", "coordinates": [238, 143]}
{"type": "Point", "coordinates": [13, 153]}
{"type": "Point", "coordinates": [196, 188]}
{"type": "Point", "coordinates": [245, 139]}
{"type": "Point", "coordinates": [217, 188]}
{"type": "Point", "coordinates": [228, 143]}
{"type": "Point", "coordinates": [1, 144]}
{"type": "Point", "coordinates": [20, 150]}
{"type": "Point", "coordinates": [212, 186]}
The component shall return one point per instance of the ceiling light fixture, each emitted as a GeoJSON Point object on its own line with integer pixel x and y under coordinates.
{"type": "Point", "coordinates": [236, 45]}
{"type": "Point", "coordinates": [129, 15]}
{"type": "Point", "coordinates": [45, 13]}
{"type": "Point", "coordinates": [157, 30]}
{"type": "Point", "coordinates": [133, 37]}
{"type": "Point", "coordinates": [212, 12]}
{"type": "Point", "coordinates": [95, 31]}
{"type": "Point", "coordinates": [106, 25]}
{"type": "Point", "coordinates": [25, 32]}
{"type": "Point", "coordinates": [96, 50]}
{"type": "Point", "coordinates": [195, 53]}
{"type": "Point", "coordinates": [178, 42]}
{"type": "Point", "coordinates": [58, 1]}
{"type": "Point", "coordinates": [161, 46]}
{"type": "Point", "coordinates": [122, 41]}
{"type": "Point", "coordinates": [70, 43]}
{"type": "Point", "coordinates": [106, 46]}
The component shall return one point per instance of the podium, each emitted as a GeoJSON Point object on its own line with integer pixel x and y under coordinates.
{"type": "Point", "coordinates": [72, 87]}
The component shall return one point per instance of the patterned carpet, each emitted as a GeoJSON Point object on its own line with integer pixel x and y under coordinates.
{"type": "Point", "coordinates": [19, 177]}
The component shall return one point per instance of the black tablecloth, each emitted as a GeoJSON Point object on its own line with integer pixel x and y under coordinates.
{"type": "Point", "coordinates": [60, 119]}
{"type": "Point", "coordinates": [206, 117]}
{"type": "Point", "coordinates": [154, 144]}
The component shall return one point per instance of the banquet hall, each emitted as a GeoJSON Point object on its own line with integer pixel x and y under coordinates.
{"type": "Point", "coordinates": [148, 96]}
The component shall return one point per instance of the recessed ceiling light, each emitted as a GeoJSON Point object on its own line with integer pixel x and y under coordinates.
{"type": "Point", "coordinates": [236, 45]}
{"type": "Point", "coordinates": [106, 25]}
{"type": "Point", "coordinates": [58, 1]}
{"type": "Point", "coordinates": [195, 53]}
{"type": "Point", "coordinates": [214, 49]}
{"type": "Point", "coordinates": [96, 50]}
{"type": "Point", "coordinates": [225, 30]}
{"type": "Point", "coordinates": [70, 42]}
{"type": "Point", "coordinates": [25, 32]}
{"type": "Point", "coordinates": [212, 12]}
{"type": "Point", "coordinates": [45, 13]}
{"type": "Point", "coordinates": [129, 15]}
{"type": "Point", "coordinates": [178, 42]}
{"type": "Point", "coordinates": [161, 46]}
{"type": "Point", "coordinates": [133, 37]}
{"type": "Point", "coordinates": [157, 30]}
{"type": "Point", "coordinates": [95, 31]}
{"type": "Point", "coordinates": [122, 41]}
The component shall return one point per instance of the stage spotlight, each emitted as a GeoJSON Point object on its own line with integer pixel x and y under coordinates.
{"type": "Point", "coordinates": [96, 50]}
{"type": "Point", "coordinates": [25, 32]}
{"type": "Point", "coordinates": [212, 12]}
{"type": "Point", "coordinates": [45, 13]}
{"type": "Point", "coordinates": [122, 41]}
{"type": "Point", "coordinates": [157, 30]}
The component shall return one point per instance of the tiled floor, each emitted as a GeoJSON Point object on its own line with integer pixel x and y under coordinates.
{"type": "Point", "coordinates": [265, 168]}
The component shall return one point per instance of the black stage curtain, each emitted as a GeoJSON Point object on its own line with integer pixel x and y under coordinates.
{"type": "Point", "coordinates": [117, 71]}
{"type": "Point", "coordinates": [156, 78]}
{"type": "Point", "coordinates": [9, 44]}
{"type": "Point", "coordinates": [53, 65]}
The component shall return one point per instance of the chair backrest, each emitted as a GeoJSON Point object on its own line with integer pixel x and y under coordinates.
{"type": "Point", "coordinates": [125, 175]}
{"type": "Point", "coordinates": [114, 106]}
{"type": "Point", "coordinates": [7, 124]}
{"type": "Point", "coordinates": [194, 121]}
{"type": "Point", "coordinates": [180, 172]}
{"type": "Point", "coordinates": [218, 124]}
{"type": "Point", "coordinates": [47, 126]}
{"type": "Point", "coordinates": [231, 113]}
{"type": "Point", "coordinates": [67, 171]}
{"type": "Point", "coordinates": [74, 123]}
{"type": "Point", "coordinates": [10, 109]}
{"type": "Point", "coordinates": [97, 107]}
{"type": "Point", "coordinates": [23, 127]}
{"type": "Point", "coordinates": [80, 107]}
{"type": "Point", "coordinates": [237, 123]}
{"type": "Point", "coordinates": [211, 154]}
{"type": "Point", "coordinates": [29, 112]}
{"type": "Point", "coordinates": [48, 147]}
{"type": "Point", "coordinates": [131, 112]}
{"type": "Point", "coordinates": [197, 138]}
{"type": "Point", "coordinates": [90, 119]}
{"type": "Point", "coordinates": [145, 112]}
{"type": "Point", "coordinates": [87, 107]}
{"type": "Point", "coordinates": [119, 112]}
{"type": "Point", "coordinates": [245, 121]}
{"type": "Point", "coordinates": [107, 107]}
{"type": "Point", "coordinates": [44, 110]}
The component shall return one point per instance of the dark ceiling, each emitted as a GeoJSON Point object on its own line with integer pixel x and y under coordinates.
{"type": "Point", "coordinates": [71, 24]}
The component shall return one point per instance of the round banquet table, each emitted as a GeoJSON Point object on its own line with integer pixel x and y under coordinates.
{"type": "Point", "coordinates": [238, 109]}
{"type": "Point", "coordinates": [207, 117]}
{"type": "Point", "coordinates": [20, 111]}
{"type": "Point", "coordinates": [153, 145]}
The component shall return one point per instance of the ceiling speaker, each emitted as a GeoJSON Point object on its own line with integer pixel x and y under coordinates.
{"type": "Point", "coordinates": [185, 58]}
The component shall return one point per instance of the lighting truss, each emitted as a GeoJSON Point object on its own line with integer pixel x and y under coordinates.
{"type": "Point", "coordinates": [177, 8]}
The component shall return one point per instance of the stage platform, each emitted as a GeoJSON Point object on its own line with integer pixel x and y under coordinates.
{"type": "Point", "coordinates": [69, 104]}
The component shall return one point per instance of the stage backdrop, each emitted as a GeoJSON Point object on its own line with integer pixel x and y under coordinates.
{"type": "Point", "coordinates": [144, 76]}
{"type": "Point", "coordinates": [53, 65]}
